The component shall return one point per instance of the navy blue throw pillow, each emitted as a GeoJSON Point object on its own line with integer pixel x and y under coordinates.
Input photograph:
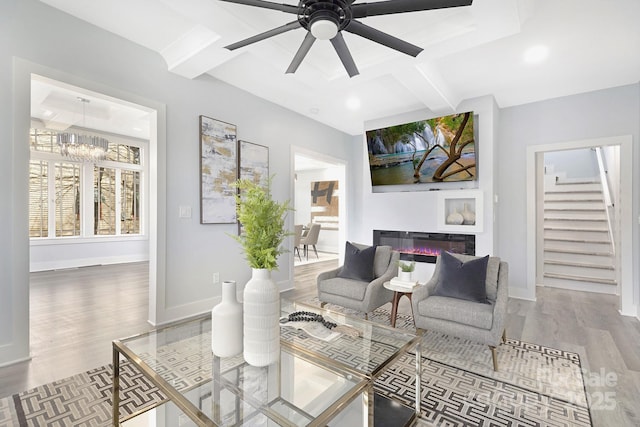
{"type": "Point", "coordinates": [463, 280]}
{"type": "Point", "coordinates": [358, 264]}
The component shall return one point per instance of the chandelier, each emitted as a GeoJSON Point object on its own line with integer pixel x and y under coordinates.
{"type": "Point", "coordinates": [83, 147]}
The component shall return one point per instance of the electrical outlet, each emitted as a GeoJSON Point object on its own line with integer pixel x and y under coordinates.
{"type": "Point", "coordinates": [216, 278]}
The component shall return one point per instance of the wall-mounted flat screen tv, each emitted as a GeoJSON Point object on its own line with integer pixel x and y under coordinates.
{"type": "Point", "coordinates": [441, 149]}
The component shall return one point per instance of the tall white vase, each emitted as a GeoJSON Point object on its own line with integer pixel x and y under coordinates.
{"type": "Point", "coordinates": [468, 215]}
{"type": "Point", "coordinates": [261, 319]}
{"type": "Point", "coordinates": [226, 323]}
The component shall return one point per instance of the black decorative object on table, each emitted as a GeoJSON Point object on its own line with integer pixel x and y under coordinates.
{"type": "Point", "coordinates": [308, 316]}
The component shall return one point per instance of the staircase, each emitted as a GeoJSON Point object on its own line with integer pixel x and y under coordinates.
{"type": "Point", "coordinates": [578, 252]}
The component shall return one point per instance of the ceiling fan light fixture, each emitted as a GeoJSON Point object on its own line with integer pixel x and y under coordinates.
{"type": "Point", "coordinates": [324, 29]}
{"type": "Point", "coordinates": [326, 19]}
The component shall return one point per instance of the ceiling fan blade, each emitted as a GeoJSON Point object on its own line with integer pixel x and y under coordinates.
{"type": "Point", "coordinates": [301, 53]}
{"type": "Point", "coordinates": [384, 39]}
{"type": "Point", "coordinates": [274, 32]}
{"type": "Point", "coordinates": [388, 7]}
{"type": "Point", "coordinates": [345, 56]}
{"type": "Point", "coordinates": [267, 5]}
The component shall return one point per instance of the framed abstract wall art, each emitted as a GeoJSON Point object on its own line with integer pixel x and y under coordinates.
{"type": "Point", "coordinates": [325, 204]}
{"type": "Point", "coordinates": [218, 171]}
{"type": "Point", "coordinates": [253, 162]}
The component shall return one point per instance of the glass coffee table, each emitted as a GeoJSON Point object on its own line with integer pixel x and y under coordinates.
{"type": "Point", "coordinates": [316, 382]}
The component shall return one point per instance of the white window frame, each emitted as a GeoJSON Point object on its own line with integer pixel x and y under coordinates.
{"type": "Point", "coordinates": [87, 193]}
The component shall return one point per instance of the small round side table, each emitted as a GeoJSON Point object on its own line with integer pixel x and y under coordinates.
{"type": "Point", "coordinates": [399, 292]}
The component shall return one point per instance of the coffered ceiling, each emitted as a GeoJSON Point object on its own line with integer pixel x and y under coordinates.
{"type": "Point", "coordinates": [582, 45]}
{"type": "Point", "coordinates": [59, 106]}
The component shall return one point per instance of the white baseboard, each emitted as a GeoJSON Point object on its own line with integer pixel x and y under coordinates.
{"type": "Point", "coordinates": [85, 262]}
{"type": "Point", "coordinates": [634, 311]}
{"type": "Point", "coordinates": [187, 311]}
{"type": "Point", "coordinates": [521, 293]}
{"type": "Point", "coordinates": [285, 285]}
{"type": "Point", "coordinates": [10, 353]}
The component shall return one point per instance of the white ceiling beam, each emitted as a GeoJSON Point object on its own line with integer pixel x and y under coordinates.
{"type": "Point", "coordinates": [194, 53]}
{"type": "Point", "coordinates": [427, 88]}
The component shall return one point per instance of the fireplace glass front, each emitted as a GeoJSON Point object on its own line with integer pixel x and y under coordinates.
{"type": "Point", "coordinates": [425, 247]}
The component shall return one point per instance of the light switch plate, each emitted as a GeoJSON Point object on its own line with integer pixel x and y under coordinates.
{"type": "Point", "coordinates": [184, 212]}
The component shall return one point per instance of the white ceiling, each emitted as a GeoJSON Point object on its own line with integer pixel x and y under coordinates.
{"type": "Point", "coordinates": [468, 52]}
{"type": "Point", "coordinates": [59, 106]}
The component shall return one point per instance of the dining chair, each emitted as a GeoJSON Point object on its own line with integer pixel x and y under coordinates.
{"type": "Point", "coordinates": [311, 239]}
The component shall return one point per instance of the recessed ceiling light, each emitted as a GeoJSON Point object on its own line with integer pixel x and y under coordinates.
{"type": "Point", "coordinates": [352, 103]}
{"type": "Point", "coordinates": [314, 110]}
{"type": "Point", "coordinates": [137, 129]}
{"type": "Point", "coordinates": [536, 54]}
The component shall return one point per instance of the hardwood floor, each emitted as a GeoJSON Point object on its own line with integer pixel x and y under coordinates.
{"type": "Point", "coordinates": [75, 314]}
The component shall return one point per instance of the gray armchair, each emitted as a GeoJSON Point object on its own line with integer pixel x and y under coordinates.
{"type": "Point", "coordinates": [356, 294]}
{"type": "Point", "coordinates": [480, 322]}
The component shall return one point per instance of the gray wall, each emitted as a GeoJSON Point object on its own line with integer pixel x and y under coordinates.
{"type": "Point", "coordinates": [6, 190]}
{"type": "Point", "coordinates": [55, 43]}
{"type": "Point", "coordinates": [580, 163]}
{"type": "Point", "coordinates": [600, 114]}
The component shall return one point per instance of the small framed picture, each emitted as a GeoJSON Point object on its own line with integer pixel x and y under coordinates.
{"type": "Point", "coordinates": [253, 162]}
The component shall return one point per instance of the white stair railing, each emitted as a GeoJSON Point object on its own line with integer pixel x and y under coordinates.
{"type": "Point", "coordinates": [606, 193]}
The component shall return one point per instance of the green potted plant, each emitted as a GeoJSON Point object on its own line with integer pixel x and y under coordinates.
{"type": "Point", "coordinates": [405, 269]}
{"type": "Point", "coordinates": [262, 221]}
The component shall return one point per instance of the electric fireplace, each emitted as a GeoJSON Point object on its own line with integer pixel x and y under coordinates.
{"type": "Point", "coordinates": [425, 247]}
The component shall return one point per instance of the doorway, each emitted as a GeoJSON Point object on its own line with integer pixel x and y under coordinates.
{"type": "Point", "coordinates": [319, 197]}
{"type": "Point", "coordinates": [581, 236]}
{"type": "Point", "coordinates": [75, 197]}
{"type": "Point", "coordinates": [23, 72]}
{"type": "Point", "coordinates": [536, 228]}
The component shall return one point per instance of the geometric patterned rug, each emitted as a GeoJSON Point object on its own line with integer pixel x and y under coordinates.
{"type": "Point", "coordinates": [535, 386]}
{"type": "Point", "coordinates": [452, 396]}
{"type": "Point", "coordinates": [81, 400]}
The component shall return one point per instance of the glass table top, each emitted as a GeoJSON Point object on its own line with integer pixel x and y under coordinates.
{"type": "Point", "coordinates": [368, 353]}
{"type": "Point", "coordinates": [316, 378]}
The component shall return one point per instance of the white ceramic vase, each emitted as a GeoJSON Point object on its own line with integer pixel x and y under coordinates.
{"type": "Point", "coordinates": [455, 218]}
{"type": "Point", "coordinates": [468, 215]}
{"type": "Point", "coordinates": [226, 323]}
{"type": "Point", "coordinates": [261, 319]}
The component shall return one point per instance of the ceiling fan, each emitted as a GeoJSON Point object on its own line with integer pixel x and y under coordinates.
{"type": "Point", "coordinates": [325, 19]}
